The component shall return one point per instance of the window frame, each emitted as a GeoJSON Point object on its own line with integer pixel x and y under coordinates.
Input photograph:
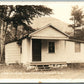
{"type": "Point", "coordinates": [54, 47]}
{"type": "Point", "coordinates": [78, 46]}
{"type": "Point", "coordinates": [21, 49]}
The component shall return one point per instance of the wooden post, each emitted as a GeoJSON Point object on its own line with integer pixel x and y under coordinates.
{"type": "Point", "coordinates": [74, 26]}
{"type": "Point", "coordinates": [30, 49]}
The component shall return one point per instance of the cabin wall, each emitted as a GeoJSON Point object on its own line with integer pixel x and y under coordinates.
{"type": "Point", "coordinates": [49, 32]}
{"type": "Point", "coordinates": [64, 52]}
{"type": "Point", "coordinates": [26, 51]}
{"type": "Point", "coordinates": [58, 56]}
{"type": "Point", "coordinates": [12, 53]}
{"type": "Point", "coordinates": [72, 56]}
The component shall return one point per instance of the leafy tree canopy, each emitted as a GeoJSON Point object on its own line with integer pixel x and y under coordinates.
{"type": "Point", "coordinates": [77, 16]}
{"type": "Point", "coordinates": [21, 15]}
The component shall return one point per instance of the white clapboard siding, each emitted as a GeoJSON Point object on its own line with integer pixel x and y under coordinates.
{"type": "Point", "coordinates": [12, 53]}
{"type": "Point", "coordinates": [71, 55]}
{"type": "Point", "coordinates": [64, 52]}
{"type": "Point", "coordinates": [58, 56]}
{"type": "Point", "coordinates": [25, 51]}
{"type": "Point", "coordinates": [48, 33]}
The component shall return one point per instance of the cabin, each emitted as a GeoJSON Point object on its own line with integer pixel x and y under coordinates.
{"type": "Point", "coordinates": [45, 46]}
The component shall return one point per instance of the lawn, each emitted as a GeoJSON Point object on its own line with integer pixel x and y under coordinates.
{"type": "Point", "coordinates": [17, 71]}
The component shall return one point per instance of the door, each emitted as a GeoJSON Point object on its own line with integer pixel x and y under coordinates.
{"type": "Point", "coordinates": [36, 50]}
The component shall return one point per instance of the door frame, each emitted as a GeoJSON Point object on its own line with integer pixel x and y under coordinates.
{"type": "Point", "coordinates": [40, 50]}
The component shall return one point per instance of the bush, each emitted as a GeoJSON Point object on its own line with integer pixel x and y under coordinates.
{"type": "Point", "coordinates": [74, 65]}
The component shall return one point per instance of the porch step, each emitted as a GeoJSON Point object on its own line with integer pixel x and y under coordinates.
{"type": "Point", "coordinates": [42, 67]}
{"type": "Point", "coordinates": [48, 65]}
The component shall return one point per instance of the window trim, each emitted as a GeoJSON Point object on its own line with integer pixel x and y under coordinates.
{"type": "Point", "coordinates": [48, 47]}
{"type": "Point", "coordinates": [79, 44]}
{"type": "Point", "coordinates": [20, 49]}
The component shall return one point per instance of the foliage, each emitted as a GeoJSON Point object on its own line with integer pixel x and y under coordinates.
{"type": "Point", "coordinates": [21, 33]}
{"type": "Point", "coordinates": [17, 15]}
{"type": "Point", "coordinates": [77, 17]}
{"type": "Point", "coordinates": [21, 15]}
{"type": "Point", "coordinates": [79, 35]}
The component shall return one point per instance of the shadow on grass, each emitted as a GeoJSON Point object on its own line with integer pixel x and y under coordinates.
{"type": "Point", "coordinates": [20, 68]}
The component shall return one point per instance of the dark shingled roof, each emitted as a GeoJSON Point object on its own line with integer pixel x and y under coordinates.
{"type": "Point", "coordinates": [42, 21]}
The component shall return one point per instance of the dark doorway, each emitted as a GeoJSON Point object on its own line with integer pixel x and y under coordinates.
{"type": "Point", "coordinates": [36, 50]}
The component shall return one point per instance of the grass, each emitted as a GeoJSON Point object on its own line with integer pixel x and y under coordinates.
{"type": "Point", "coordinates": [11, 68]}
{"type": "Point", "coordinates": [15, 71]}
{"type": "Point", "coordinates": [19, 68]}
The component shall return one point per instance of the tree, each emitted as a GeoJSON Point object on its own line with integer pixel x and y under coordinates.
{"type": "Point", "coordinates": [27, 13]}
{"type": "Point", "coordinates": [4, 13]}
{"type": "Point", "coordinates": [22, 31]}
{"type": "Point", "coordinates": [77, 17]}
{"type": "Point", "coordinates": [19, 15]}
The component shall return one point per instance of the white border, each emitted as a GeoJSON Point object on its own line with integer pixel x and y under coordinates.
{"type": "Point", "coordinates": [37, 80]}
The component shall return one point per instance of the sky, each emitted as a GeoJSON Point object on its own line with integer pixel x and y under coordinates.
{"type": "Point", "coordinates": [61, 10]}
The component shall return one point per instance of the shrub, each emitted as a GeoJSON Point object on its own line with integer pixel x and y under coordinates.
{"type": "Point", "coordinates": [73, 65]}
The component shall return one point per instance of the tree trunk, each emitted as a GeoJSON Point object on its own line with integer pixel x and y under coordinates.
{"type": "Point", "coordinates": [3, 36]}
{"type": "Point", "coordinates": [2, 27]}
{"type": "Point", "coordinates": [16, 33]}
{"type": "Point", "coordinates": [74, 26]}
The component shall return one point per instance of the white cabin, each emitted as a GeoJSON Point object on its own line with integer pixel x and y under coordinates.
{"type": "Point", "coordinates": [47, 44]}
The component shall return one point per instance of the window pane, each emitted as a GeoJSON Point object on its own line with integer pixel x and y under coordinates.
{"type": "Point", "coordinates": [21, 49]}
{"type": "Point", "coordinates": [51, 47]}
{"type": "Point", "coordinates": [77, 47]}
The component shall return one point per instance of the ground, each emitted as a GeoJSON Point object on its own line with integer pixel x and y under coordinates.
{"type": "Point", "coordinates": [15, 72]}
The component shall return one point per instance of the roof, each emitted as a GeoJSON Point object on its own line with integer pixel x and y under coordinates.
{"type": "Point", "coordinates": [34, 31]}
{"type": "Point", "coordinates": [49, 25]}
{"type": "Point", "coordinates": [42, 21]}
{"type": "Point", "coordinates": [11, 38]}
{"type": "Point", "coordinates": [78, 28]}
{"type": "Point", "coordinates": [17, 40]}
{"type": "Point", "coordinates": [39, 24]}
{"type": "Point", "coordinates": [75, 40]}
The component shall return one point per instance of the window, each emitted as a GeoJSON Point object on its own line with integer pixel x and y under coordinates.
{"type": "Point", "coordinates": [77, 47]}
{"type": "Point", "coordinates": [51, 48]}
{"type": "Point", "coordinates": [20, 48]}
